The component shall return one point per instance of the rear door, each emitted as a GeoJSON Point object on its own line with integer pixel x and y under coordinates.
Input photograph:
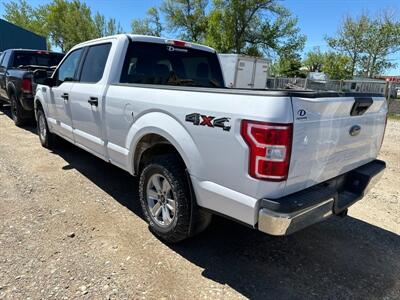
{"type": "Point", "coordinates": [59, 106]}
{"type": "Point", "coordinates": [87, 99]}
{"type": "Point", "coordinates": [332, 136]}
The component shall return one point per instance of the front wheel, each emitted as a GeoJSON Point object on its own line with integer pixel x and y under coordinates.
{"type": "Point", "coordinates": [47, 139]}
{"type": "Point", "coordinates": [166, 200]}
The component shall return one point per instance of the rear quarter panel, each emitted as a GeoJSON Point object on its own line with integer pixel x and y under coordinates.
{"type": "Point", "coordinates": [216, 159]}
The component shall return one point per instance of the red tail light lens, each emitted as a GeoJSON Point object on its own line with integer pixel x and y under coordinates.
{"type": "Point", "coordinates": [270, 148]}
{"type": "Point", "coordinates": [26, 85]}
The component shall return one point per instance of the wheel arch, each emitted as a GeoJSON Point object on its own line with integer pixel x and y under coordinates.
{"type": "Point", "coordinates": [11, 90]}
{"type": "Point", "coordinates": [38, 103]}
{"type": "Point", "coordinates": [158, 131]}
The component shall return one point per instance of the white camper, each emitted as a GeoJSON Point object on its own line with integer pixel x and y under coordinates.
{"type": "Point", "coordinates": [244, 72]}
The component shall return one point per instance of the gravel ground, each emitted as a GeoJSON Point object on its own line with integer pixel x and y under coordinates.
{"type": "Point", "coordinates": [71, 227]}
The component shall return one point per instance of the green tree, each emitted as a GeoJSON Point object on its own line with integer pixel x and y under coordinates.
{"type": "Point", "coordinates": [381, 40]}
{"type": "Point", "coordinates": [253, 27]}
{"type": "Point", "coordinates": [64, 23]}
{"type": "Point", "coordinates": [150, 25]}
{"type": "Point", "coordinates": [187, 18]}
{"type": "Point", "coordinates": [337, 66]}
{"type": "Point", "coordinates": [69, 23]}
{"type": "Point", "coordinates": [368, 41]}
{"type": "Point", "coordinates": [288, 66]}
{"type": "Point", "coordinates": [349, 39]}
{"type": "Point", "coordinates": [104, 27]}
{"type": "Point", "coordinates": [314, 60]}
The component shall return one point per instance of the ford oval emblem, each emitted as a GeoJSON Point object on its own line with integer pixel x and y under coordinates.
{"type": "Point", "coordinates": [355, 130]}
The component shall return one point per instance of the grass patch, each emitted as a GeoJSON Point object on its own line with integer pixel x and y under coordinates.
{"type": "Point", "coordinates": [393, 116]}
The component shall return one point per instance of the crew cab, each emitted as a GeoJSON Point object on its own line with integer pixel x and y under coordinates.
{"type": "Point", "coordinates": [275, 160]}
{"type": "Point", "coordinates": [17, 68]}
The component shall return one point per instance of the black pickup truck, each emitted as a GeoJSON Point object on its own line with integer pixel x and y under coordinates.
{"type": "Point", "coordinates": [17, 87]}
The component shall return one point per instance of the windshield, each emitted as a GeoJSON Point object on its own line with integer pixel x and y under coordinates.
{"type": "Point", "coordinates": [151, 63]}
{"type": "Point", "coordinates": [45, 59]}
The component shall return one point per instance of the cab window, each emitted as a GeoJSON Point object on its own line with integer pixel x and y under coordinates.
{"type": "Point", "coordinates": [68, 68]}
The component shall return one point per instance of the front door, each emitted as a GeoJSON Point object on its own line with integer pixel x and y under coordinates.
{"type": "Point", "coordinates": [65, 77]}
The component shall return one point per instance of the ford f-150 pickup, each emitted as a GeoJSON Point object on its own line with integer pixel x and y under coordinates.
{"type": "Point", "coordinates": [17, 68]}
{"type": "Point", "coordinates": [276, 160]}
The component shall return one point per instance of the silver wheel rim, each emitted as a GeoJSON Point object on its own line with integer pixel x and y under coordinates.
{"type": "Point", "coordinates": [160, 200]}
{"type": "Point", "coordinates": [42, 127]}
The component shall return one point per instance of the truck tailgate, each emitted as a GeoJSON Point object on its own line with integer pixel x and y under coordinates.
{"type": "Point", "coordinates": [332, 136]}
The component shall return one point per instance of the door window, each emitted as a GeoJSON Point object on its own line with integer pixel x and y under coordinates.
{"type": "Point", "coordinates": [95, 62]}
{"type": "Point", "coordinates": [6, 58]}
{"type": "Point", "coordinates": [1, 57]}
{"type": "Point", "coordinates": [68, 68]}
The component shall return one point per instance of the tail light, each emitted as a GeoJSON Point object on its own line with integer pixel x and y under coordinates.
{"type": "Point", "coordinates": [270, 148]}
{"type": "Point", "coordinates": [26, 85]}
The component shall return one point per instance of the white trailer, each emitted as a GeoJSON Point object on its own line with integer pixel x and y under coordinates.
{"type": "Point", "coordinates": [244, 72]}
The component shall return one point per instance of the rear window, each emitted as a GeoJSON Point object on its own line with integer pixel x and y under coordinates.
{"type": "Point", "coordinates": [149, 63]}
{"type": "Point", "coordinates": [45, 59]}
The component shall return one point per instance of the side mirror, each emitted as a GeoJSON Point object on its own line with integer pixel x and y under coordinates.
{"type": "Point", "coordinates": [42, 77]}
{"type": "Point", "coordinates": [49, 82]}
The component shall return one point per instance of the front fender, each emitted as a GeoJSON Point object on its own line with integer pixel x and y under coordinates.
{"type": "Point", "coordinates": [40, 98]}
{"type": "Point", "coordinates": [173, 131]}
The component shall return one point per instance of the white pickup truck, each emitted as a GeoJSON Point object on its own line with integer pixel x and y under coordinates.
{"type": "Point", "coordinates": [276, 160]}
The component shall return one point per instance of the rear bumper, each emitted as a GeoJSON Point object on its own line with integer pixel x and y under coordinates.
{"type": "Point", "coordinates": [299, 210]}
{"type": "Point", "coordinates": [27, 102]}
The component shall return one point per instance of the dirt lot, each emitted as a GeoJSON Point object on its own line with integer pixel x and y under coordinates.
{"type": "Point", "coordinates": [71, 227]}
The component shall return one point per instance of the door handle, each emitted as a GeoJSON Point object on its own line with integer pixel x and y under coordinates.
{"type": "Point", "coordinates": [65, 96]}
{"type": "Point", "coordinates": [93, 101]}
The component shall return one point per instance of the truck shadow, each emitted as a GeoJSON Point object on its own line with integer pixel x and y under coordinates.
{"type": "Point", "coordinates": [341, 258]}
{"type": "Point", "coordinates": [30, 126]}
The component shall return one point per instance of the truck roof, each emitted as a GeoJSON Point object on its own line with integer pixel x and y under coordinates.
{"type": "Point", "coordinates": [148, 39]}
{"type": "Point", "coordinates": [33, 50]}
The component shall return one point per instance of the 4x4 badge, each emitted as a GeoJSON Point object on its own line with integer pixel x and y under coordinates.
{"type": "Point", "coordinates": [210, 121]}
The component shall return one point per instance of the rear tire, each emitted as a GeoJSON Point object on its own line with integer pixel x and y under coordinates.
{"type": "Point", "coordinates": [17, 112]}
{"type": "Point", "coordinates": [166, 201]}
{"type": "Point", "coordinates": [47, 139]}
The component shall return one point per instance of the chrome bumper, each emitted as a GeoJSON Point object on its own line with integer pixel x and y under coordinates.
{"type": "Point", "coordinates": [283, 224]}
{"type": "Point", "coordinates": [297, 211]}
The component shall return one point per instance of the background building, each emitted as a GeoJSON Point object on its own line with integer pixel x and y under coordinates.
{"type": "Point", "coordinates": [12, 36]}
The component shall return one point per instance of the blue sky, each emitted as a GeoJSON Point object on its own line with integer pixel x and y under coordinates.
{"type": "Point", "coordinates": [317, 18]}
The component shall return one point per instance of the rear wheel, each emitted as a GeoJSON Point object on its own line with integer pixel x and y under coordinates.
{"type": "Point", "coordinates": [47, 139]}
{"type": "Point", "coordinates": [166, 200]}
{"type": "Point", "coordinates": [16, 111]}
